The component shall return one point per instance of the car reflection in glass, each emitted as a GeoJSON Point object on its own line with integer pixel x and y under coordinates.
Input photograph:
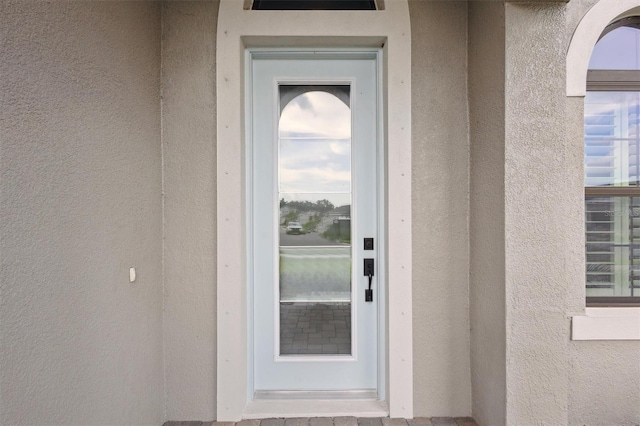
{"type": "Point", "coordinates": [294, 228]}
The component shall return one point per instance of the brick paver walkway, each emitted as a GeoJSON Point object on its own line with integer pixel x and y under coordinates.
{"type": "Point", "coordinates": [339, 421]}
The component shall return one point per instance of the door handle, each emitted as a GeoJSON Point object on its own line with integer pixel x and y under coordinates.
{"type": "Point", "coordinates": [369, 271]}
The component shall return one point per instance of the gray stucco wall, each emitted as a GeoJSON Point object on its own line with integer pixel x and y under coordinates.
{"type": "Point", "coordinates": [542, 231]}
{"type": "Point", "coordinates": [605, 385]}
{"type": "Point", "coordinates": [549, 379]}
{"type": "Point", "coordinates": [80, 204]}
{"type": "Point", "coordinates": [440, 167]}
{"type": "Point", "coordinates": [487, 263]}
{"type": "Point", "coordinates": [189, 156]}
{"type": "Point", "coordinates": [84, 167]}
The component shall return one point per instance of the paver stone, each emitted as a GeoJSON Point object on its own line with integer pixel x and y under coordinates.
{"type": "Point", "coordinates": [321, 421]}
{"type": "Point", "coordinates": [272, 422]}
{"type": "Point", "coordinates": [345, 421]}
{"type": "Point", "coordinates": [394, 422]}
{"type": "Point", "coordinates": [443, 421]}
{"type": "Point", "coordinates": [419, 421]}
{"type": "Point", "coordinates": [369, 421]}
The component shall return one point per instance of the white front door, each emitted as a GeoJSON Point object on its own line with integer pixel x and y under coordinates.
{"type": "Point", "coordinates": [314, 199]}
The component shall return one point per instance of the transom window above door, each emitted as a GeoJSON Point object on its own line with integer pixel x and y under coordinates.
{"type": "Point", "coordinates": [314, 5]}
{"type": "Point", "coordinates": [612, 167]}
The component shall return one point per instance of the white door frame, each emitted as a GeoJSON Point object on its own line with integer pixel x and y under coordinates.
{"type": "Point", "coordinates": [237, 30]}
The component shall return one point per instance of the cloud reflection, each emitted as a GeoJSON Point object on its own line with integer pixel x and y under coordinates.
{"type": "Point", "coordinates": [315, 144]}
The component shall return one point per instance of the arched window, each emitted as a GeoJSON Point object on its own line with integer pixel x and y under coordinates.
{"type": "Point", "coordinates": [612, 166]}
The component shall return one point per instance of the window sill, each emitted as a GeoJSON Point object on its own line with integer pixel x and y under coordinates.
{"type": "Point", "coordinates": [607, 324]}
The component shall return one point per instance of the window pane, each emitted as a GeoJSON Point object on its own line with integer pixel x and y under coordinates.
{"type": "Point", "coordinates": [618, 50]}
{"type": "Point", "coordinates": [314, 166]}
{"type": "Point", "coordinates": [613, 246]}
{"type": "Point", "coordinates": [611, 140]}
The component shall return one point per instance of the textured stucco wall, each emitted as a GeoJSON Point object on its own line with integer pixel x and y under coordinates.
{"type": "Point", "coordinates": [189, 155]}
{"type": "Point", "coordinates": [80, 200]}
{"type": "Point", "coordinates": [605, 386]}
{"type": "Point", "coordinates": [487, 265]}
{"type": "Point", "coordinates": [549, 379]}
{"type": "Point", "coordinates": [542, 227]}
{"type": "Point", "coordinates": [80, 203]}
{"type": "Point", "coordinates": [440, 167]}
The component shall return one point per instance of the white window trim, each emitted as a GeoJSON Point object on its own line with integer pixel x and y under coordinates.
{"type": "Point", "coordinates": [607, 324]}
{"type": "Point", "coordinates": [237, 30]}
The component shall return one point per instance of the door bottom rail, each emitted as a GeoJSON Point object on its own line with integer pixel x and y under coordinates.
{"type": "Point", "coordinates": [345, 394]}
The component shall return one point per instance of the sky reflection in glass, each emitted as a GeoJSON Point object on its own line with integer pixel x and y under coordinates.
{"type": "Point", "coordinates": [315, 144]}
{"type": "Point", "coordinates": [618, 50]}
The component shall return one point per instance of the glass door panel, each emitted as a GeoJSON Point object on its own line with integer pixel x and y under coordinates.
{"type": "Point", "coordinates": [314, 195]}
